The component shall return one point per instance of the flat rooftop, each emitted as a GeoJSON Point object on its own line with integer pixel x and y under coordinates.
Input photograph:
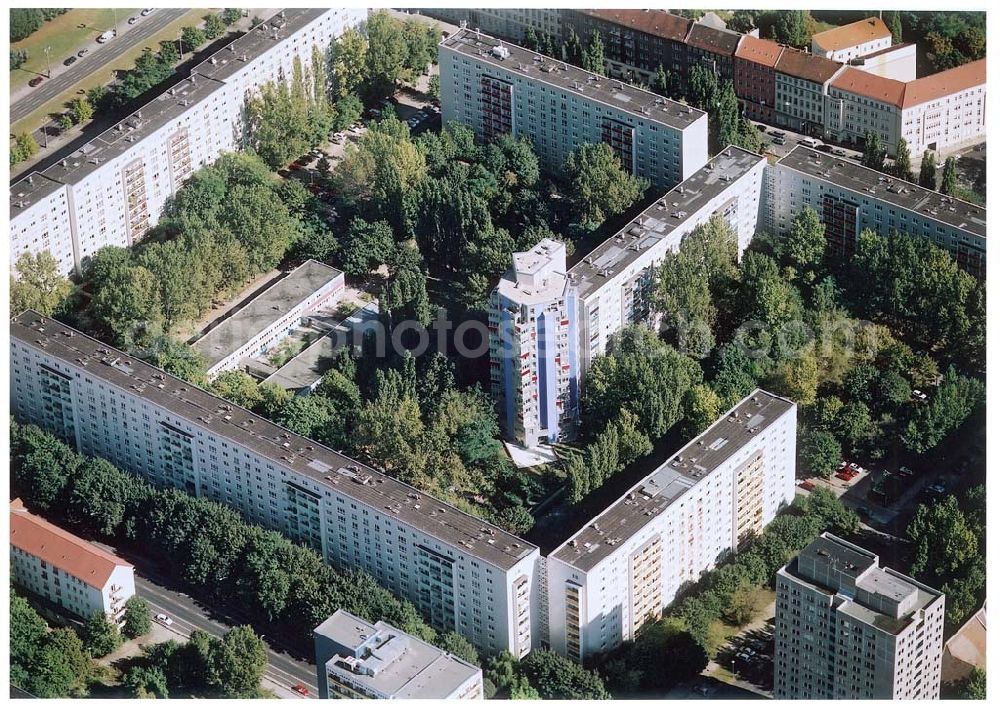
{"type": "Point", "coordinates": [568, 78]}
{"type": "Point", "coordinates": [29, 191]}
{"type": "Point", "coordinates": [308, 367]}
{"type": "Point", "coordinates": [659, 221]}
{"type": "Point", "coordinates": [407, 667]}
{"type": "Point", "coordinates": [263, 311]}
{"type": "Point", "coordinates": [695, 461]}
{"type": "Point", "coordinates": [320, 465]}
{"type": "Point", "coordinates": [883, 187]}
{"type": "Point", "coordinates": [228, 61]}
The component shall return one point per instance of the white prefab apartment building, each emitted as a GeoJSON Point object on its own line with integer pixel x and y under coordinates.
{"type": "Point", "coordinates": [623, 568]}
{"type": "Point", "coordinates": [497, 88]}
{"type": "Point", "coordinates": [849, 629]}
{"type": "Point", "coordinates": [356, 660]}
{"type": "Point", "coordinates": [533, 345]}
{"type": "Point", "coordinates": [462, 573]}
{"type": "Point", "coordinates": [844, 43]}
{"type": "Point", "coordinates": [112, 189]}
{"type": "Point", "coordinates": [850, 198]}
{"type": "Point", "coordinates": [547, 324]}
{"type": "Point", "coordinates": [270, 317]}
{"type": "Point", "coordinates": [66, 570]}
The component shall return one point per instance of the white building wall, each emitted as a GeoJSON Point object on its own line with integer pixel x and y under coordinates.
{"type": "Point", "coordinates": [126, 429]}
{"type": "Point", "coordinates": [43, 226]}
{"type": "Point", "coordinates": [958, 118]}
{"type": "Point", "coordinates": [900, 64]}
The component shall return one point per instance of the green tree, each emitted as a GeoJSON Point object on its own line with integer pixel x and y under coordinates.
{"type": "Point", "coordinates": [947, 409]}
{"type": "Point", "coordinates": [555, 677]}
{"type": "Point", "coordinates": [830, 513]}
{"type": "Point", "coordinates": [404, 295]}
{"type": "Point", "coordinates": [742, 607]}
{"type": "Point", "coordinates": [28, 632]}
{"type": "Point", "coordinates": [660, 83]}
{"type": "Point", "coordinates": [366, 247]}
{"type": "Point", "coordinates": [530, 39]}
{"type": "Point", "coordinates": [725, 114]}
{"type": "Point", "coordinates": [237, 386]}
{"type": "Point", "coordinates": [80, 110]}
{"type": "Point", "coordinates": [214, 27]}
{"type": "Point", "coordinates": [434, 86]}
{"type": "Point", "coordinates": [593, 56]}
{"type": "Point", "coordinates": [43, 469]}
{"type": "Point", "coordinates": [873, 155]}
{"type": "Point", "coordinates": [137, 619]}
{"type": "Point", "coordinates": [820, 452]}
{"type": "Point", "coordinates": [903, 164]}
{"type": "Point", "coordinates": [944, 541]}
{"type": "Point", "coordinates": [895, 26]}
{"type": "Point", "coordinates": [457, 645]}
{"type": "Point", "coordinates": [973, 686]}
{"type": "Point", "coordinates": [176, 358]}
{"type": "Point", "coordinates": [100, 635]}
{"type": "Point", "coordinates": [855, 425]}
{"type": "Point", "coordinates": [928, 171]}
{"type": "Point", "coordinates": [231, 15]}
{"type": "Point", "coordinates": [128, 304]}
{"type": "Point", "coordinates": [742, 21]}
{"type": "Point", "coordinates": [949, 177]}
{"type": "Point", "coordinates": [348, 55]}
{"type": "Point", "coordinates": [702, 407]}
{"type": "Point", "coordinates": [599, 186]}
{"type": "Point", "coordinates": [22, 148]}
{"type": "Point", "coordinates": [790, 27]}
{"type": "Point", "coordinates": [386, 55]}
{"type": "Point", "coordinates": [146, 681]}
{"type": "Point", "coordinates": [192, 38]}
{"type": "Point", "coordinates": [97, 496]}
{"type": "Point", "coordinates": [40, 285]}
{"type": "Point", "coordinates": [703, 87]}
{"type": "Point", "coordinates": [806, 243]}
{"type": "Point", "coordinates": [240, 663]}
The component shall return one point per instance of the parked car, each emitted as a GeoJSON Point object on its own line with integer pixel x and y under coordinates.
{"type": "Point", "coordinates": [82, 52]}
{"type": "Point", "coordinates": [839, 152]}
{"type": "Point", "coordinates": [937, 489]}
{"type": "Point", "coordinates": [35, 81]}
{"type": "Point", "coordinates": [69, 60]}
{"type": "Point", "coordinates": [906, 471]}
{"type": "Point", "coordinates": [164, 619]}
{"type": "Point", "coordinates": [148, 11]}
{"type": "Point", "coordinates": [762, 127]}
{"type": "Point", "coordinates": [779, 140]}
{"type": "Point", "coordinates": [918, 395]}
{"type": "Point", "coordinates": [133, 20]}
{"type": "Point", "coordinates": [807, 485]}
{"type": "Point", "coordinates": [301, 690]}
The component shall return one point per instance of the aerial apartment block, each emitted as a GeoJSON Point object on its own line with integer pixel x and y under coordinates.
{"type": "Point", "coordinates": [270, 317]}
{"type": "Point", "coordinates": [847, 628]}
{"type": "Point", "coordinates": [462, 573]}
{"type": "Point", "coordinates": [547, 323]}
{"type": "Point", "coordinates": [358, 660]}
{"type": "Point", "coordinates": [621, 570]}
{"type": "Point", "coordinates": [850, 198]}
{"type": "Point", "coordinates": [497, 88]}
{"type": "Point", "coordinates": [114, 187]}
{"type": "Point", "coordinates": [533, 346]}
{"type": "Point", "coordinates": [66, 570]}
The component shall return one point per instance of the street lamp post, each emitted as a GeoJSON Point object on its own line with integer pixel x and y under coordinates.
{"type": "Point", "coordinates": [48, 62]}
{"type": "Point", "coordinates": [114, 12]}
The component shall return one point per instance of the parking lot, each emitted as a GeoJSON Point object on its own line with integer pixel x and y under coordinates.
{"type": "Point", "coordinates": [779, 142]}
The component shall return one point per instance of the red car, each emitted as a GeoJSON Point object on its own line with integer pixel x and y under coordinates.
{"type": "Point", "coordinates": [807, 485]}
{"type": "Point", "coordinates": [35, 81]}
{"type": "Point", "coordinates": [301, 690]}
{"type": "Point", "coordinates": [846, 476]}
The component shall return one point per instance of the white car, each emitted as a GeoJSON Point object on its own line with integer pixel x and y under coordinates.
{"type": "Point", "coordinates": [147, 11]}
{"type": "Point", "coordinates": [164, 619]}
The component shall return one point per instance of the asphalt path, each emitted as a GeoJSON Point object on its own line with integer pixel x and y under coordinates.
{"type": "Point", "coordinates": [93, 61]}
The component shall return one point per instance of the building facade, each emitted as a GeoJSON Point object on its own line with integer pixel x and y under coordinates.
{"type": "Point", "coordinates": [753, 77]}
{"type": "Point", "coordinates": [898, 62]}
{"type": "Point", "coordinates": [857, 39]}
{"type": "Point", "coordinates": [847, 628]}
{"type": "Point", "coordinates": [622, 569]}
{"type": "Point", "coordinates": [498, 88]}
{"type": "Point", "coordinates": [850, 198]}
{"type": "Point", "coordinates": [462, 573]}
{"type": "Point", "coordinates": [112, 189]}
{"type": "Point", "coordinates": [712, 48]}
{"type": "Point", "coordinates": [509, 23]}
{"type": "Point", "coordinates": [270, 317]}
{"type": "Point", "coordinates": [534, 373]}
{"type": "Point", "coordinates": [800, 82]}
{"type": "Point", "coordinates": [358, 660]}
{"type": "Point", "coordinates": [66, 570]}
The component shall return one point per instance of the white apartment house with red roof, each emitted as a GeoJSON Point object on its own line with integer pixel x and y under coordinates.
{"type": "Point", "coordinates": [857, 39]}
{"type": "Point", "coordinates": [66, 570]}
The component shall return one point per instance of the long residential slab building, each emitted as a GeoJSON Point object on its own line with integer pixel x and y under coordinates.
{"type": "Point", "coordinates": [112, 189]}
{"type": "Point", "coordinates": [462, 573]}
{"type": "Point", "coordinates": [621, 570]}
{"type": "Point", "coordinates": [548, 322]}
{"type": "Point", "coordinates": [501, 88]}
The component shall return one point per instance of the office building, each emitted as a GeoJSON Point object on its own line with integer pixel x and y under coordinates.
{"type": "Point", "coordinates": [114, 187]}
{"type": "Point", "coordinates": [850, 198]}
{"type": "Point", "coordinates": [857, 39]}
{"type": "Point", "coordinates": [66, 570]}
{"type": "Point", "coordinates": [547, 324]}
{"type": "Point", "coordinates": [800, 82]}
{"type": "Point", "coordinates": [847, 628]}
{"type": "Point", "coordinates": [497, 88]}
{"type": "Point", "coordinates": [621, 570]}
{"type": "Point", "coordinates": [534, 374]}
{"type": "Point", "coordinates": [356, 659]}
{"type": "Point", "coordinates": [462, 573]}
{"type": "Point", "coordinates": [935, 112]}
{"type": "Point", "coordinates": [753, 76]}
{"type": "Point", "coordinates": [270, 317]}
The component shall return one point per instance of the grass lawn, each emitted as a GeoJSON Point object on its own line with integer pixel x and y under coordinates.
{"type": "Point", "coordinates": [719, 632]}
{"type": "Point", "coordinates": [64, 35]}
{"type": "Point", "coordinates": [102, 76]}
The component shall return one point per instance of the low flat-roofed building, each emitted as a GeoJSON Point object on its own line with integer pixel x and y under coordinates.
{"type": "Point", "coordinates": [850, 198]}
{"type": "Point", "coordinates": [268, 318]}
{"type": "Point", "coordinates": [66, 570]}
{"type": "Point", "coordinates": [844, 43]}
{"type": "Point", "coordinates": [500, 88]}
{"type": "Point", "coordinates": [621, 570]}
{"type": "Point", "coordinates": [848, 628]}
{"type": "Point", "coordinates": [360, 660]}
{"type": "Point", "coordinates": [897, 62]}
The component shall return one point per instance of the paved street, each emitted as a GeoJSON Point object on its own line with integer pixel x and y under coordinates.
{"type": "Point", "coordinates": [283, 670]}
{"type": "Point", "coordinates": [65, 78]}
